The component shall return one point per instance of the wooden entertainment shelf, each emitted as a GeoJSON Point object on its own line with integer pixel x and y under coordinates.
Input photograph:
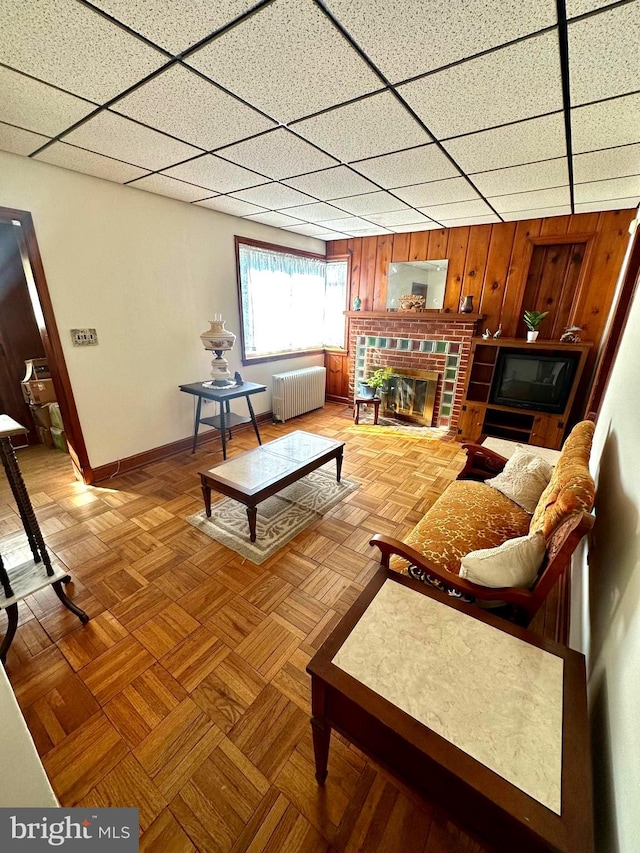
{"type": "Point", "coordinates": [480, 417]}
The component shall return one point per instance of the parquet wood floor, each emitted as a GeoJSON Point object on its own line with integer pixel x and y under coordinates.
{"type": "Point", "coordinates": [186, 694]}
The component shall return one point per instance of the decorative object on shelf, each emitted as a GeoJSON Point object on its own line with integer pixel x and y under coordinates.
{"type": "Point", "coordinates": [486, 334]}
{"type": "Point", "coordinates": [238, 378]}
{"type": "Point", "coordinates": [498, 333]}
{"type": "Point", "coordinates": [532, 320]}
{"type": "Point", "coordinates": [466, 305]}
{"type": "Point", "coordinates": [570, 335]}
{"type": "Point", "coordinates": [377, 379]}
{"type": "Point", "coordinates": [218, 339]}
{"type": "Point", "coordinates": [357, 303]}
{"type": "Point", "coordinates": [412, 302]}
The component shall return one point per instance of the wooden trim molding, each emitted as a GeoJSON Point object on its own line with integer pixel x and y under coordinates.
{"type": "Point", "coordinates": [416, 316]}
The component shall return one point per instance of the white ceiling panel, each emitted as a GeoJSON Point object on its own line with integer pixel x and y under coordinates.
{"type": "Point", "coordinates": [606, 125]}
{"type": "Point", "coordinates": [375, 125]}
{"type": "Point", "coordinates": [437, 192]}
{"type": "Point", "coordinates": [536, 213]}
{"type": "Point", "coordinates": [610, 163]}
{"type": "Point", "coordinates": [278, 154]}
{"type": "Point", "coordinates": [20, 141]}
{"type": "Point", "coordinates": [536, 198]}
{"type": "Point", "coordinates": [67, 44]}
{"type": "Point", "coordinates": [519, 179]}
{"type": "Point", "coordinates": [525, 142]}
{"type": "Point", "coordinates": [274, 196]}
{"type": "Point", "coordinates": [408, 37]}
{"type": "Point", "coordinates": [278, 220]}
{"type": "Point", "coordinates": [428, 225]}
{"type": "Point", "coordinates": [330, 235]}
{"type": "Point", "coordinates": [426, 163]}
{"type": "Point", "coordinates": [378, 202]}
{"type": "Point", "coordinates": [371, 231]}
{"type": "Point", "coordinates": [347, 224]}
{"type": "Point", "coordinates": [115, 136]}
{"type": "Point", "coordinates": [181, 103]}
{"type": "Point", "coordinates": [398, 217]}
{"type": "Point", "coordinates": [604, 190]}
{"type": "Point", "coordinates": [32, 105]}
{"type": "Point", "coordinates": [440, 212]}
{"type": "Point", "coordinates": [526, 74]}
{"type": "Point", "coordinates": [603, 51]}
{"type": "Point", "coordinates": [162, 185]}
{"type": "Point", "coordinates": [234, 206]}
{"type": "Point", "coordinates": [317, 212]}
{"type": "Point", "coordinates": [288, 60]}
{"type": "Point", "coordinates": [215, 174]}
{"type": "Point", "coordinates": [331, 183]}
{"type": "Point", "coordinates": [483, 219]}
{"type": "Point", "coordinates": [612, 204]}
{"type": "Point", "coordinates": [310, 229]}
{"type": "Point", "coordinates": [580, 7]}
{"type": "Point", "coordinates": [175, 26]}
{"type": "Point", "coordinates": [79, 160]}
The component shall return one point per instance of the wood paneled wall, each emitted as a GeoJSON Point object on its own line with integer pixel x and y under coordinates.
{"type": "Point", "coordinates": [492, 263]}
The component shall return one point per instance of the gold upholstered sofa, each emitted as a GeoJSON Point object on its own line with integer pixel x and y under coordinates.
{"type": "Point", "coordinates": [472, 515]}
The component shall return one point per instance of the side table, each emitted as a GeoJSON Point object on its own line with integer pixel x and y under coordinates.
{"type": "Point", "coordinates": [360, 401]}
{"type": "Point", "coordinates": [28, 577]}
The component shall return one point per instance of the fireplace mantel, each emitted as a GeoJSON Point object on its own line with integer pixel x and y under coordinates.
{"type": "Point", "coordinates": [415, 316]}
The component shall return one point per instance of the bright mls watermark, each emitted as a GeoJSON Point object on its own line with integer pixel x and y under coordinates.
{"type": "Point", "coordinates": [86, 830]}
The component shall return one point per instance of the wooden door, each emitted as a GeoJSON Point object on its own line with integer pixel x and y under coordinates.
{"type": "Point", "coordinates": [471, 422]}
{"type": "Point", "coordinates": [548, 431]}
{"type": "Point", "coordinates": [337, 365]}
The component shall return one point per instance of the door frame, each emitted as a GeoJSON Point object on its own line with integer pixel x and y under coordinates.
{"type": "Point", "coordinates": [45, 318]}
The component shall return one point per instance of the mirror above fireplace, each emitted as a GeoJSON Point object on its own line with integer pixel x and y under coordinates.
{"type": "Point", "coordinates": [422, 279]}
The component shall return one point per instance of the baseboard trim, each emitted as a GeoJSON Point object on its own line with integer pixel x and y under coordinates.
{"type": "Point", "coordinates": [155, 454]}
{"type": "Point", "coordinates": [330, 398]}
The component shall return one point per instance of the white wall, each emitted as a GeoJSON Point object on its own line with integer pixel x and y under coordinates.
{"type": "Point", "coordinates": [606, 613]}
{"type": "Point", "coordinates": [148, 273]}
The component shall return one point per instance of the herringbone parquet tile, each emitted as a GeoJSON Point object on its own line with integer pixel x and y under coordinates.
{"type": "Point", "coordinates": [186, 694]}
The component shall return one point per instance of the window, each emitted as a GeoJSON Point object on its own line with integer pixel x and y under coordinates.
{"type": "Point", "coordinates": [290, 302]}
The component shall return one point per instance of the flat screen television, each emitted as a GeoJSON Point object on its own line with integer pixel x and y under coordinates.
{"type": "Point", "coordinates": [533, 381]}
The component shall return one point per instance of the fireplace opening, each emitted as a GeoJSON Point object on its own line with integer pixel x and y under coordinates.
{"type": "Point", "coordinates": [410, 395]}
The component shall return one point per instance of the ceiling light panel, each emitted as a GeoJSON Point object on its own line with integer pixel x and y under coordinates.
{"type": "Point", "coordinates": [536, 213]}
{"type": "Point", "coordinates": [288, 60]}
{"type": "Point", "coordinates": [67, 44]}
{"type": "Point", "coordinates": [316, 212]}
{"type": "Point", "coordinates": [162, 185]}
{"type": "Point", "coordinates": [437, 192]}
{"type": "Point", "coordinates": [422, 164]}
{"type": "Point", "coordinates": [610, 163]}
{"type": "Point", "coordinates": [411, 37]}
{"type": "Point", "coordinates": [526, 74]}
{"type": "Point", "coordinates": [537, 198]}
{"type": "Point", "coordinates": [441, 212]}
{"type": "Point", "coordinates": [175, 26]}
{"type": "Point", "coordinates": [375, 125]}
{"type": "Point", "coordinates": [534, 176]}
{"type": "Point", "coordinates": [231, 205]}
{"type": "Point", "coordinates": [378, 202]}
{"type": "Point", "coordinates": [19, 141]}
{"type": "Point", "coordinates": [278, 220]}
{"type": "Point", "coordinates": [79, 160]}
{"type": "Point", "coordinates": [215, 174]}
{"type": "Point", "coordinates": [278, 154]}
{"type": "Point", "coordinates": [612, 204]}
{"type": "Point", "coordinates": [182, 104]}
{"type": "Point", "coordinates": [606, 125]}
{"type": "Point", "coordinates": [115, 136]}
{"type": "Point", "coordinates": [605, 190]}
{"type": "Point", "coordinates": [274, 196]}
{"type": "Point", "coordinates": [603, 54]}
{"type": "Point", "coordinates": [331, 183]}
{"type": "Point", "coordinates": [32, 105]}
{"type": "Point", "coordinates": [398, 217]}
{"type": "Point", "coordinates": [524, 142]}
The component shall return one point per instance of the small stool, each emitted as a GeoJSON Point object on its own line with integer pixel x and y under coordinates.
{"type": "Point", "coordinates": [374, 401]}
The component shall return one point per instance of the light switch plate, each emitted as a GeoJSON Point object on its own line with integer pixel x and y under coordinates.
{"type": "Point", "coordinates": [84, 337]}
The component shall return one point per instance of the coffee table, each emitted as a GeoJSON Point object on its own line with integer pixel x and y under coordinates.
{"type": "Point", "coordinates": [258, 474]}
{"type": "Point", "coordinates": [481, 715]}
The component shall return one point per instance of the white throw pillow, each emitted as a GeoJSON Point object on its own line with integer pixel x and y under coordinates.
{"type": "Point", "coordinates": [514, 563]}
{"type": "Point", "coordinates": [523, 479]}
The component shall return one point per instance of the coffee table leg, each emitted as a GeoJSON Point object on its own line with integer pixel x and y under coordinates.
{"type": "Point", "coordinates": [252, 512]}
{"type": "Point", "coordinates": [339, 465]}
{"type": "Point", "coordinates": [206, 494]}
{"type": "Point", "coordinates": [320, 730]}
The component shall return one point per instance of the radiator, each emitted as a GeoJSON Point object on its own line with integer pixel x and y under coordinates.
{"type": "Point", "coordinates": [298, 391]}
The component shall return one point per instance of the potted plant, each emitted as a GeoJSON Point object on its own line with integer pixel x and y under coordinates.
{"type": "Point", "coordinates": [378, 378]}
{"type": "Point", "coordinates": [532, 320]}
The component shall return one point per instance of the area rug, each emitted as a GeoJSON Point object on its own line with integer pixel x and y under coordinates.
{"type": "Point", "coordinates": [280, 517]}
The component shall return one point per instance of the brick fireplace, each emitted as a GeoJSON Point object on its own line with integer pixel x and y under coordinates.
{"type": "Point", "coordinates": [423, 341]}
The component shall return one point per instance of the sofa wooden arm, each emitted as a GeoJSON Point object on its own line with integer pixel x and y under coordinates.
{"type": "Point", "coordinates": [481, 463]}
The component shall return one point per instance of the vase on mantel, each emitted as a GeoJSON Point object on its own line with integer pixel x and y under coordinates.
{"type": "Point", "coordinates": [466, 306]}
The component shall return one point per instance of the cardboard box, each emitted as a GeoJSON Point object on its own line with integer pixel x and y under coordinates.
{"type": "Point", "coordinates": [59, 439]}
{"type": "Point", "coordinates": [55, 416]}
{"type": "Point", "coordinates": [36, 368]}
{"type": "Point", "coordinates": [44, 434]}
{"type": "Point", "coordinates": [41, 415]}
{"type": "Point", "coordinates": [39, 391]}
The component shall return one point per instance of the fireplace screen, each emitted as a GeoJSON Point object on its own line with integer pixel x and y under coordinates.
{"type": "Point", "coordinates": [411, 395]}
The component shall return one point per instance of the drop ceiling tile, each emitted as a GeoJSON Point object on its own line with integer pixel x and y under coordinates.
{"type": "Point", "coordinates": [32, 105]}
{"type": "Point", "coordinates": [428, 225]}
{"type": "Point", "coordinates": [278, 154]}
{"type": "Point", "coordinates": [348, 224]}
{"type": "Point", "coordinates": [271, 217]}
{"type": "Point", "coordinates": [79, 160]}
{"type": "Point", "coordinates": [536, 198]}
{"type": "Point", "coordinates": [437, 192]}
{"type": "Point", "coordinates": [602, 49]}
{"type": "Point", "coordinates": [175, 26]}
{"type": "Point", "coordinates": [162, 185]}
{"type": "Point", "coordinates": [66, 43]}
{"type": "Point", "coordinates": [316, 212]}
{"type": "Point", "coordinates": [579, 7]}
{"type": "Point", "coordinates": [20, 141]}
{"type": "Point", "coordinates": [215, 174]}
{"type": "Point", "coordinates": [117, 137]}
{"type": "Point", "coordinates": [231, 205]}
{"type": "Point", "coordinates": [331, 183]}
{"type": "Point", "coordinates": [487, 218]}
{"type": "Point", "coordinates": [371, 231]}
{"type": "Point", "coordinates": [612, 204]}
{"type": "Point", "coordinates": [523, 142]}
{"type": "Point", "coordinates": [398, 217]}
{"type": "Point", "coordinates": [331, 235]}
{"type": "Point", "coordinates": [375, 125]}
{"type": "Point", "coordinates": [181, 103]}
{"type": "Point", "coordinates": [537, 213]}
{"type": "Point", "coordinates": [610, 163]}
{"type": "Point", "coordinates": [606, 125]}
{"type": "Point", "coordinates": [288, 60]}
{"type": "Point", "coordinates": [409, 37]}
{"type": "Point", "coordinates": [526, 74]}
{"type": "Point", "coordinates": [274, 196]}
{"type": "Point", "coordinates": [440, 212]}
{"type": "Point", "coordinates": [519, 179]}
{"type": "Point", "coordinates": [378, 202]}
{"type": "Point", "coordinates": [425, 163]}
{"type": "Point", "coordinates": [606, 190]}
{"type": "Point", "coordinates": [309, 229]}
